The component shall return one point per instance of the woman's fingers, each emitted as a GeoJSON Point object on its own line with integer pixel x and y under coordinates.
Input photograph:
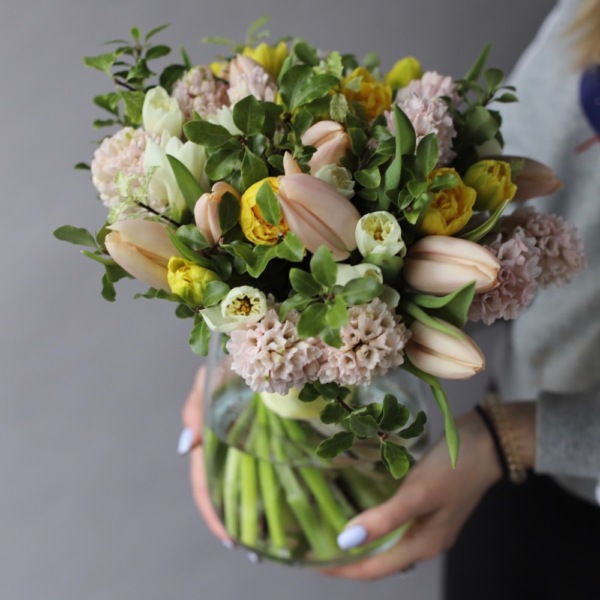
{"type": "Point", "coordinates": [192, 415]}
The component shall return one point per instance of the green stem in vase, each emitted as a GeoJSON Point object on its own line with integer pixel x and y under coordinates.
{"type": "Point", "coordinates": [269, 485]}
{"type": "Point", "coordinates": [248, 501]}
{"type": "Point", "coordinates": [215, 456]}
{"type": "Point", "coordinates": [231, 491]}
{"type": "Point", "coordinates": [321, 539]}
{"type": "Point", "coordinates": [363, 490]}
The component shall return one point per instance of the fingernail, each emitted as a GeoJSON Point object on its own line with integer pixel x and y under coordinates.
{"type": "Point", "coordinates": [228, 544]}
{"type": "Point", "coordinates": [352, 537]}
{"type": "Point", "coordinates": [186, 438]}
{"type": "Point", "coordinates": [253, 558]}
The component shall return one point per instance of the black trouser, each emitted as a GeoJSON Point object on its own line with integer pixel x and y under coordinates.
{"type": "Point", "coordinates": [533, 541]}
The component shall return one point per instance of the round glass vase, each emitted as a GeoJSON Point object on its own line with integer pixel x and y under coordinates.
{"type": "Point", "coordinates": [273, 494]}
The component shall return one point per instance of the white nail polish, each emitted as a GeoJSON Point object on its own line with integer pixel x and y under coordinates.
{"type": "Point", "coordinates": [186, 438]}
{"type": "Point", "coordinates": [253, 558]}
{"type": "Point", "coordinates": [352, 537]}
{"type": "Point", "coordinates": [228, 544]}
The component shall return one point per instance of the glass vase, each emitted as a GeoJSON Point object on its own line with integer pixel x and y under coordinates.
{"type": "Point", "coordinates": [274, 495]}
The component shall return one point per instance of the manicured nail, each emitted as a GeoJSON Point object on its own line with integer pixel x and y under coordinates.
{"type": "Point", "coordinates": [253, 558]}
{"type": "Point", "coordinates": [352, 537]}
{"type": "Point", "coordinates": [186, 438]}
{"type": "Point", "coordinates": [228, 544]}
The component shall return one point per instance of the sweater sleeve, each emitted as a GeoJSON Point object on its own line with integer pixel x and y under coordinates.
{"type": "Point", "coordinates": [568, 434]}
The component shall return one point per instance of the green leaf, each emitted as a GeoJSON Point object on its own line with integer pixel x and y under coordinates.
{"type": "Point", "coordinates": [395, 458]}
{"type": "Point", "coordinates": [335, 445]}
{"type": "Point", "coordinates": [428, 153]}
{"type": "Point", "coordinates": [183, 311]}
{"type": "Point", "coordinates": [333, 412]}
{"type": "Point", "coordinates": [192, 237]}
{"type": "Point", "coordinates": [291, 248]}
{"type": "Point", "coordinates": [139, 72]}
{"type": "Point", "coordinates": [135, 34]}
{"type": "Point", "coordinates": [443, 181]}
{"type": "Point", "coordinates": [312, 320]}
{"type": "Point", "coordinates": [157, 52]}
{"type": "Point", "coordinates": [254, 169]}
{"type": "Point", "coordinates": [300, 85]}
{"type": "Point", "coordinates": [153, 293]}
{"type": "Point", "coordinates": [360, 291]}
{"type": "Point", "coordinates": [133, 102]}
{"type": "Point", "coordinates": [358, 140]}
{"type": "Point", "coordinates": [200, 337]}
{"type": "Point", "coordinates": [261, 255]}
{"type": "Point", "coordinates": [221, 163]}
{"type": "Point", "coordinates": [222, 266]}
{"type": "Point", "coordinates": [268, 204]}
{"type": "Point", "coordinates": [481, 125]}
{"type": "Point", "coordinates": [82, 166]}
{"type": "Point", "coordinates": [331, 337]}
{"type": "Point", "coordinates": [363, 426]}
{"type": "Point", "coordinates": [337, 313]}
{"type": "Point", "coordinates": [229, 212]}
{"type": "Point", "coordinates": [75, 235]}
{"type": "Point", "coordinates": [306, 53]}
{"type": "Point", "coordinates": [214, 292]}
{"type": "Point", "coordinates": [338, 107]}
{"type": "Point", "coordinates": [474, 235]}
{"type": "Point", "coordinates": [249, 115]}
{"type": "Point", "coordinates": [369, 178]}
{"type": "Point", "coordinates": [493, 78]}
{"type": "Point", "coordinates": [420, 315]}
{"type": "Point", "coordinates": [416, 428]}
{"type": "Point", "coordinates": [206, 134]}
{"type": "Point", "coordinates": [452, 438]}
{"type": "Point", "coordinates": [99, 258]}
{"type": "Point", "coordinates": [453, 308]}
{"type": "Point", "coordinates": [323, 267]}
{"type": "Point", "coordinates": [190, 188]}
{"type": "Point", "coordinates": [109, 102]}
{"type": "Point", "coordinates": [393, 415]}
{"type": "Point", "coordinates": [404, 131]}
{"type": "Point", "coordinates": [170, 75]}
{"type": "Point", "coordinates": [187, 253]}
{"type": "Point", "coordinates": [331, 390]}
{"type": "Point", "coordinates": [154, 31]}
{"type": "Point", "coordinates": [506, 98]}
{"type": "Point", "coordinates": [102, 62]}
{"type": "Point", "coordinates": [108, 289]}
{"type": "Point", "coordinates": [99, 123]}
{"type": "Point", "coordinates": [296, 302]}
{"type": "Point", "coordinates": [308, 393]}
{"type": "Point", "coordinates": [475, 70]}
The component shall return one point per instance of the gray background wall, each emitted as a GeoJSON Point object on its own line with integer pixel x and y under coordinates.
{"type": "Point", "coordinates": [94, 501]}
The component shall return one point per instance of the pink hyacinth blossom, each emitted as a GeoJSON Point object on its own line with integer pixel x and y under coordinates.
{"type": "Point", "coordinates": [199, 91]}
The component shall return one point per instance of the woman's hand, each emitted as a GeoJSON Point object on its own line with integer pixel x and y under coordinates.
{"type": "Point", "coordinates": [191, 441]}
{"type": "Point", "coordinates": [437, 498]}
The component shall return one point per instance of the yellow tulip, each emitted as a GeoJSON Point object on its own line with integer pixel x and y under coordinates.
{"type": "Point", "coordinates": [403, 72]}
{"type": "Point", "coordinates": [491, 179]}
{"type": "Point", "coordinates": [361, 87]}
{"type": "Point", "coordinates": [450, 209]}
{"type": "Point", "coordinates": [189, 280]}
{"type": "Point", "coordinates": [270, 57]}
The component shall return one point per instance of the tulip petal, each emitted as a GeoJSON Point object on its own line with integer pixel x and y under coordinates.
{"type": "Point", "coordinates": [135, 263]}
{"type": "Point", "coordinates": [150, 237]}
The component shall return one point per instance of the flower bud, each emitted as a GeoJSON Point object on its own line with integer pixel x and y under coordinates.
{"type": "Point", "coordinates": [252, 222]}
{"type": "Point", "coordinates": [338, 177]}
{"type": "Point", "coordinates": [535, 179]}
{"type": "Point", "coordinates": [143, 249]}
{"type": "Point", "coordinates": [242, 305]}
{"type": "Point", "coordinates": [403, 72]}
{"type": "Point", "coordinates": [378, 234]}
{"type": "Point", "coordinates": [189, 280]}
{"type": "Point", "coordinates": [491, 179]}
{"type": "Point", "coordinates": [439, 264]}
{"type": "Point", "coordinates": [161, 113]}
{"type": "Point", "coordinates": [361, 87]}
{"type": "Point", "coordinates": [442, 354]}
{"type": "Point", "coordinates": [206, 211]}
{"type": "Point", "coordinates": [346, 273]}
{"type": "Point", "coordinates": [248, 78]}
{"type": "Point", "coordinates": [331, 141]}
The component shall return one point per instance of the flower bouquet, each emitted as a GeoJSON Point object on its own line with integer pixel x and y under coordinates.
{"type": "Point", "coordinates": [332, 227]}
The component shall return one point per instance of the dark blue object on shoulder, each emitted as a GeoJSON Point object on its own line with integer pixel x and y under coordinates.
{"type": "Point", "coordinates": [589, 96]}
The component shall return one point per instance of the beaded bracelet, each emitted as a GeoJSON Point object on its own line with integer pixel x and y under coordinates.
{"type": "Point", "coordinates": [494, 418]}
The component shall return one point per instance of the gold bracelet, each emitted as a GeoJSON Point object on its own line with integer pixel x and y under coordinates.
{"type": "Point", "coordinates": [495, 411]}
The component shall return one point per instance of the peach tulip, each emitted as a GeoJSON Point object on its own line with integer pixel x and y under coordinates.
{"type": "Point", "coordinates": [439, 264]}
{"type": "Point", "coordinates": [206, 211]}
{"type": "Point", "coordinates": [143, 249]}
{"type": "Point", "coordinates": [331, 141]}
{"type": "Point", "coordinates": [450, 356]}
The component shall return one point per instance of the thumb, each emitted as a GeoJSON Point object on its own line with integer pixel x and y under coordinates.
{"type": "Point", "coordinates": [400, 510]}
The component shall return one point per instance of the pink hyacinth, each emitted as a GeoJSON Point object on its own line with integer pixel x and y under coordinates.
{"type": "Point", "coordinates": [121, 153]}
{"type": "Point", "coordinates": [561, 248]}
{"type": "Point", "coordinates": [431, 85]}
{"type": "Point", "coordinates": [199, 91]}
{"type": "Point", "coordinates": [270, 356]}
{"type": "Point", "coordinates": [373, 341]}
{"type": "Point", "coordinates": [518, 276]}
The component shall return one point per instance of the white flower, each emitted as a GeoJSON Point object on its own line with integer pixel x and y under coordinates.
{"type": "Point", "coordinates": [161, 113]}
{"type": "Point", "coordinates": [379, 234]}
{"type": "Point", "coordinates": [163, 185]}
{"type": "Point", "coordinates": [242, 305]}
{"type": "Point", "coordinates": [224, 118]}
{"type": "Point", "coordinates": [346, 273]}
{"type": "Point", "coordinates": [338, 177]}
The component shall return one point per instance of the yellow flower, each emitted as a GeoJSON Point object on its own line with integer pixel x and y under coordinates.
{"type": "Point", "coordinates": [492, 182]}
{"type": "Point", "coordinates": [254, 226]}
{"type": "Point", "coordinates": [403, 72]}
{"type": "Point", "coordinates": [450, 209]}
{"type": "Point", "coordinates": [189, 280]}
{"type": "Point", "coordinates": [361, 87]}
{"type": "Point", "coordinates": [269, 57]}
